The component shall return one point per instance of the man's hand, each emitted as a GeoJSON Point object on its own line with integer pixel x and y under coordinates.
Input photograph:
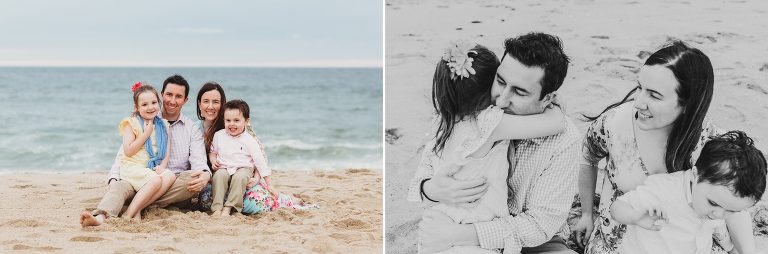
{"type": "Point", "coordinates": [198, 182]}
{"type": "Point", "coordinates": [446, 189]}
{"type": "Point", "coordinates": [435, 231]}
{"type": "Point", "coordinates": [585, 226]}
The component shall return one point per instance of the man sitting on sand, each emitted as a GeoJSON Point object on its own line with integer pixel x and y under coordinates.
{"type": "Point", "coordinates": [187, 160]}
{"type": "Point", "coordinates": [541, 184]}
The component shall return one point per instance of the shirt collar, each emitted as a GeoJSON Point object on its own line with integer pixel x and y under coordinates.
{"type": "Point", "coordinates": [183, 119]}
{"type": "Point", "coordinates": [688, 177]}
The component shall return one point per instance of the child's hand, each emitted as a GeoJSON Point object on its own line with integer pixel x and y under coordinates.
{"type": "Point", "coordinates": [654, 220]}
{"type": "Point", "coordinates": [159, 170]}
{"type": "Point", "coordinates": [214, 163]}
{"type": "Point", "coordinates": [149, 127]}
{"type": "Point", "coordinates": [252, 182]}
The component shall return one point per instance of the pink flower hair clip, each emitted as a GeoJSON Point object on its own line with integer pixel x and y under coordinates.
{"type": "Point", "coordinates": [136, 86]}
{"type": "Point", "coordinates": [457, 56]}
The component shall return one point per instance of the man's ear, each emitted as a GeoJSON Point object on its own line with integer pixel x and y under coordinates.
{"type": "Point", "coordinates": [549, 99]}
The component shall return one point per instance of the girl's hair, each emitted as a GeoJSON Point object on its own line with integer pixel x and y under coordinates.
{"type": "Point", "coordinates": [218, 123]}
{"type": "Point", "coordinates": [145, 87]}
{"type": "Point", "coordinates": [695, 76]}
{"type": "Point", "coordinates": [239, 105]}
{"type": "Point", "coordinates": [455, 98]}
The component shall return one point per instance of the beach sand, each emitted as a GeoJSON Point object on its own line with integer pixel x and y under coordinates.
{"type": "Point", "coordinates": [607, 42]}
{"type": "Point", "coordinates": [40, 213]}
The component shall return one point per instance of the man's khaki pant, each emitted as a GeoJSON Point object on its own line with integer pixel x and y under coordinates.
{"type": "Point", "coordinates": [235, 183]}
{"type": "Point", "coordinates": [120, 193]}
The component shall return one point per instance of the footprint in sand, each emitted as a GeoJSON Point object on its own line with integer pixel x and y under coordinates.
{"type": "Point", "coordinates": [24, 223]}
{"type": "Point", "coordinates": [350, 223]}
{"type": "Point", "coordinates": [345, 238]}
{"type": "Point", "coordinates": [89, 239]}
{"type": "Point", "coordinates": [334, 177]}
{"type": "Point", "coordinates": [27, 247]}
{"type": "Point", "coordinates": [166, 248]}
{"type": "Point", "coordinates": [129, 250]}
{"type": "Point", "coordinates": [734, 114]}
{"type": "Point", "coordinates": [90, 200]}
{"type": "Point", "coordinates": [22, 186]}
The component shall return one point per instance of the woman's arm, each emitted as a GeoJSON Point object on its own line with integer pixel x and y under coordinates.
{"type": "Point", "coordinates": [587, 183]}
{"type": "Point", "coordinates": [550, 122]}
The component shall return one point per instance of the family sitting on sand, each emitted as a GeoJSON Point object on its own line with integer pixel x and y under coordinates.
{"type": "Point", "coordinates": [504, 161]}
{"type": "Point", "coordinates": [162, 160]}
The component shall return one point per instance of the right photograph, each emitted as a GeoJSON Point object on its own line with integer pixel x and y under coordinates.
{"type": "Point", "coordinates": [576, 127]}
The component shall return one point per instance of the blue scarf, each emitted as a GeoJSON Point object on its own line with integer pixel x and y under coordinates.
{"type": "Point", "coordinates": [162, 142]}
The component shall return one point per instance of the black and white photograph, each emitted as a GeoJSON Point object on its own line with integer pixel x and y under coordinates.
{"type": "Point", "coordinates": [576, 126]}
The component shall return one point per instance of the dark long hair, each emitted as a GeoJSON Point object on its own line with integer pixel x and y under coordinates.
{"type": "Point", "coordinates": [218, 123]}
{"type": "Point", "coordinates": [695, 76]}
{"type": "Point", "coordinates": [456, 98]}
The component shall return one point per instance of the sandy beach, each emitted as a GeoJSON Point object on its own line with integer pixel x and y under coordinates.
{"type": "Point", "coordinates": [40, 213]}
{"type": "Point", "coordinates": [607, 42]}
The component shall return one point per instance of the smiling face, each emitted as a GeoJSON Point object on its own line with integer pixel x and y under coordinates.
{"type": "Point", "coordinates": [656, 101]}
{"type": "Point", "coordinates": [173, 99]}
{"type": "Point", "coordinates": [715, 201]}
{"type": "Point", "coordinates": [210, 104]}
{"type": "Point", "coordinates": [147, 105]}
{"type": "Point", "coordinates": [234, 122]}
{"type": "Point", "coordinates": [517, 88]}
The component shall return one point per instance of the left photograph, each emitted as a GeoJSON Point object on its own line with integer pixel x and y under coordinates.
{"type": "Point", "coordinates": [191, 127]}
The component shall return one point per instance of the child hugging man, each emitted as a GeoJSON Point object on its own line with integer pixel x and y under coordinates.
{"type": "Point", "coordinates": [680, 212]}
{"type": "Point", "coordinates": [235, 156]}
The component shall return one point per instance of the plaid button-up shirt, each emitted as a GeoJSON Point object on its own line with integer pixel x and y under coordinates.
{"type": "Point", "coordinates": [187, 150]}
{"type": "Point", "coordinates": [541, 189]}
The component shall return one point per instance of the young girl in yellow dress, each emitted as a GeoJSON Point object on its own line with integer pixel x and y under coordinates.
{"type": "Point", "coordinates": [145, 150]}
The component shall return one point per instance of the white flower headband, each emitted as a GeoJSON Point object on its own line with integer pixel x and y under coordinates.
{"type": "Point", "coordinates": [457, 56]}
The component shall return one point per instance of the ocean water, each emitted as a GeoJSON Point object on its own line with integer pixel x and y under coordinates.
{"type": "Point", "coordinates": [65, 119]}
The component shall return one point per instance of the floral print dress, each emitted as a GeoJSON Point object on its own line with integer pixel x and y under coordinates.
{"type": "Point", "coordinates": [611, 137]}
{"type": "Point", "coordinates": [257, 199]}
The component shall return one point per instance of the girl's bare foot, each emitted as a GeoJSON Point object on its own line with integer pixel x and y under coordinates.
{"type": "Point", "coordinates": [216, 213]}
{"type": "Point", "coordinates": [88, 220]}
{"type": "Point", "coordinates": [226, 210]}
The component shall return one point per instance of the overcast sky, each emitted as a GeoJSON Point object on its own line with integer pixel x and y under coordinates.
{"type": "Point", "coordinates": [191, 33]}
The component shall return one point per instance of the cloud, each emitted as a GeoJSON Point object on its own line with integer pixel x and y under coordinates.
{"type": "Point", "coordinates": [200, 30]}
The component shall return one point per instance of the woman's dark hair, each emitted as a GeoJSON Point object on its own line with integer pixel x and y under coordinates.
{"type": "Point", "coordinates": [455, 97]}
{"type": "Point", "coordinates": [732, 160]}
{"type": "Point", "coordinates": [218, 123]}
{"type": "Point", "coordinates": [695, 76]}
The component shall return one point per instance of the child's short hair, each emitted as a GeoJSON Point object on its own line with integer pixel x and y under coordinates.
{"type": "Point", "coordinates": [732, 160]}
{"type": "Point", "coordinates": [145, 87]}
{"type": "Point", "coordinates": [239, 105]}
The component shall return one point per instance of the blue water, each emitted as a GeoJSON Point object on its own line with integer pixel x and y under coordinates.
{"type": "Point", "coordinates": [65, 119]}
